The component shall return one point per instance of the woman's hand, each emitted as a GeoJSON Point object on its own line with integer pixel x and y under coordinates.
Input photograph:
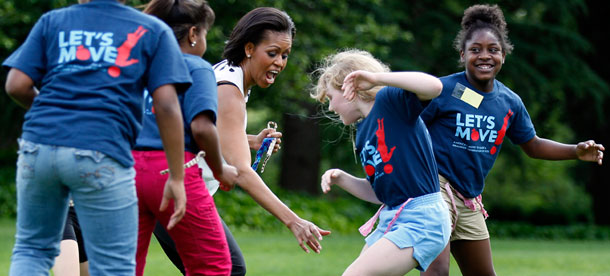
{"type": "Point", "coordinates": [307, 233]}
{"type": "Point", "coordinates": [255, 141]}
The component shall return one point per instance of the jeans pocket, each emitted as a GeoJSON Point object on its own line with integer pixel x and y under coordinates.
{"type": "Point", "coordinates": [26, 161]}
{"type": "Point", "coordinates": [95, 169]}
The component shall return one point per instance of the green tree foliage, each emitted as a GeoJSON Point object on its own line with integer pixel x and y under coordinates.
{"type": "Point", "coordinates": [16, 20]}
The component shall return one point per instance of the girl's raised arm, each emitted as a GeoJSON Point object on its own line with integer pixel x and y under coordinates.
{"type": "Point", "coordinates": [424, 85]}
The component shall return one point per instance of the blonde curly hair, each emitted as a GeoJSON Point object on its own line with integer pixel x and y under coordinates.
{"type": "Point", "coordinates": [337, 66]}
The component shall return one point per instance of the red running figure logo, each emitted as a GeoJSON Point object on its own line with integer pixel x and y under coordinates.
{"type": "Point", "coordinates": [382, 148]}
{"type": "Point", "coordinates": [123, 52]}
{"type": "Point", "coordinates": [501, 133]}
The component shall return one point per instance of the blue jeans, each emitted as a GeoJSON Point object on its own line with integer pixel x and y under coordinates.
{"type": "Point", "coordinates": [104, 198]}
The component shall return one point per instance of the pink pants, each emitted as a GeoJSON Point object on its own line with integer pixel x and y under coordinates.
{"type": "Point", "coordinates": [199, 236]}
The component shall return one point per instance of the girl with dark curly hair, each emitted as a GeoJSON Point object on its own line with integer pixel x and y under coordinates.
{"type": "Point", "coordinates": [468, 123]}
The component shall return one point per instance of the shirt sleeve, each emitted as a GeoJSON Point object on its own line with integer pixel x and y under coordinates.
{"type": "Point", "coordinates": [167, 65]}
{"type": "Point", "coordinates": [522, 128]}
{"type": "Point", "coordinates": [202, 96]}
{"type": "Point", "coordinates": [401, 101]}
{"type": "Point", "coordinates": [30, 57]}
{"type": "Point", "coordinates": [414, 104]}
{"type": "Point", "coordinates": [430, 110]}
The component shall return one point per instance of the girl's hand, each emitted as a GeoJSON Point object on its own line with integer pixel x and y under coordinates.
{"type": "Point", "coordinates": [174, 189]}
{"type": "Point", "coordinates": [228, 178]}
{"type": "Point", "coordinates": [590, 151]}
{"type": "Point", "coordinates": [357, 81]}
{"type": "Point", "coordinates": [255, 141]}
{"type": "Point", "coordinates": [330, 178]}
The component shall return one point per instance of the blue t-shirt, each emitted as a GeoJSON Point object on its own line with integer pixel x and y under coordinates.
{"type": "Point", "coordinates": [200, 97]}
{"type": "Point", "coordinates": [91, 63]}
{"type": "Point", "coordinates": [468, 127]}
{"type": "Point", "coordinates": [395, 148]}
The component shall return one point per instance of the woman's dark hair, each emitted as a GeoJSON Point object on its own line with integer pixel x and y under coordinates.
{"type": "Point", "coordinates": [479, 17]}
{"type": "Point", "coordinates": [252, 27]}
{"type": "Point", "coordinates": [181, 15]}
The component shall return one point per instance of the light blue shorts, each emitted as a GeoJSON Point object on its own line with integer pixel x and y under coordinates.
{"type": "Point", "coordinates": [423, 224]}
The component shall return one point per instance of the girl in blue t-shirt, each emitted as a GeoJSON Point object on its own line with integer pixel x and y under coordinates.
{"type": "Point", "coordinates": [81, 73]}
{"type": "Point", "coordinates": [468, 123]}
{"type": "Point", "coordinates": [396, 153]}
{"type": "Point", "coordinates": [199, 238]}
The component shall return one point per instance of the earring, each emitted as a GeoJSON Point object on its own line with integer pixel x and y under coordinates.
{"type": "Point", "coordinates": [193, 43]}
{"type": "Point", "coordinates": [248, 55]}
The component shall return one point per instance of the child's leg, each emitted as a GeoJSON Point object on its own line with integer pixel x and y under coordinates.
{"type": "Point", "coordinates": [147, 196]}
{"type": "Point", "coordinates": [440, 266]}
{"type": "Point", "coordinates": [168, 246]}
{"type": "Point", "coordinates": [199, 237]}
{"type": "Point", "coordinates": [238, 264]}
{"type": "Point", "coordinates": [84, 268]}
{"type": "Point", "coordinates": [473, 257]}
{"type": "Point", "coordinates": [469, 238]}
{"type": "Point", "coordinates": [145, 228]}
{"type": "Point", "coordinates": [383, 258]}
{"type": "Point", "coordinates": [82, 255]}
{"type": "Point", "coordinates": [66, 264]}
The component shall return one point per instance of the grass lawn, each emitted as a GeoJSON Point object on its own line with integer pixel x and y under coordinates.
{"type": "Point", "coordinates": [279, 254]}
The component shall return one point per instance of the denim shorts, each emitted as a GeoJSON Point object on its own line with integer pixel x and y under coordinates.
{"type": "Point", "coordinates": [423, 224]}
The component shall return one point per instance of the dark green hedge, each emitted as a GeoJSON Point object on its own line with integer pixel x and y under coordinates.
{"type": "Point", "coordinates": [523, 230]}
